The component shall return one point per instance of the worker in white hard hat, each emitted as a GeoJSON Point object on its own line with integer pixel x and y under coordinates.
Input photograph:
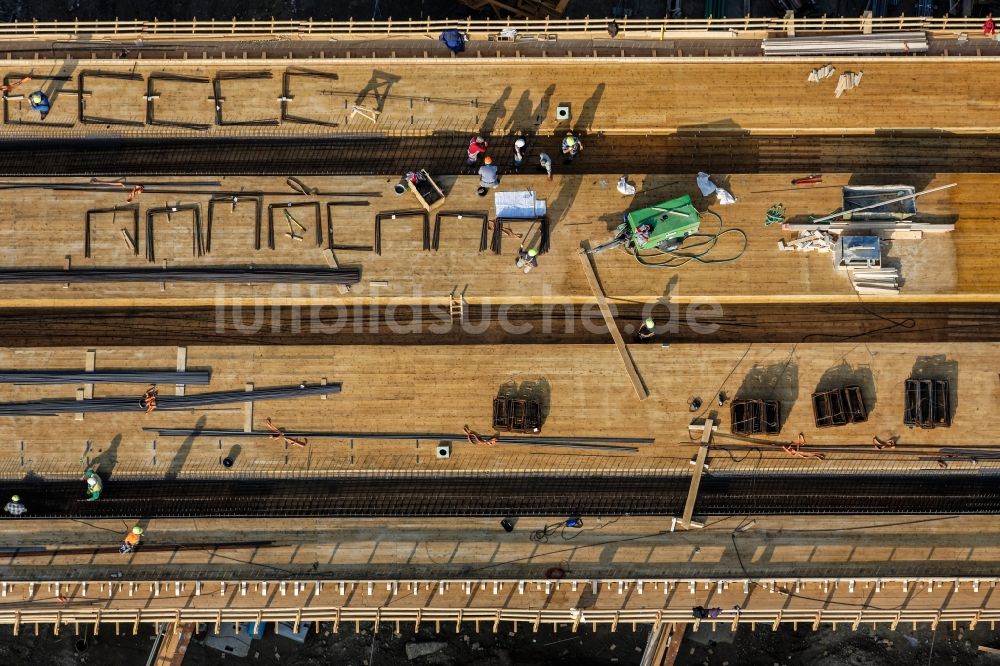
{"type": "Point", "coordinates": [519, 149]}
{"type": "Point", "coordinates": [94, 485]}
{"type": "Point", "coordinates": [132, 540]}
{"type": "Point", "coordinates": [527, 259]}
{"type": "Point", "coordinates": [648, 330]}
{"type": "Point", "coordinates": [14, 507]}
{"type": "Point", "coordinates": [571, 147]}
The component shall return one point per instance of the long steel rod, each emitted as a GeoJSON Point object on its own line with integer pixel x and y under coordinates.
{"type": "Point", "coordinates": [214, 275]}
{"type": "Point", "coordinates": [197, 378]}
{"type": "Point", "coordinates": [52, 407]}
{"type": "Point", "coordinates": [418, 436]}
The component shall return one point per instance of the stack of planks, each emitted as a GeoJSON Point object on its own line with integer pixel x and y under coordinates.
{"type": "Point", "coordinates": [882, 43]}
{"type": "Point", "coordinates": [808, 241]}
{"type": "Point", "coordinates": [875, 280]}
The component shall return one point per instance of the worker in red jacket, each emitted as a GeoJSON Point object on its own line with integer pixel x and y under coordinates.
{"type": "Point", "coordinates": [477, 146]}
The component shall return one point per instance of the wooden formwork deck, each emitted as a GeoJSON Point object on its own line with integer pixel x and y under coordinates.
{"type": "Point", "coordinates": [441, 389]}
{"type": "Point", "coordinates": [786, 569]}
{"type": "Point", "coordinates": [41, 229]}
{"type": "Point", "coordinates": [606, 94]}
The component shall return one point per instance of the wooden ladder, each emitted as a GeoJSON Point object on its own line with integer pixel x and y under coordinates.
{"type": "Point", "coordinates": [457, 308]}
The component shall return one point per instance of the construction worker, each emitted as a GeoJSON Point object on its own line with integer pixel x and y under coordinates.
{"type": "Point", "coordinates": [545, 164]}
{"type": "Point", "coordinates": [14, 506]}
{"type": "Point", "coordinates": [476, 146]}
{"type": "Point", "coordinates": [488, 174]}
{"type": "Point", "coordinates": [527, 259]}
{"type": "Point", "coordinates": [132, 540]}
{"type": "Point", "coordinates": [40, 102]}
{"type": "Point", "coordinates": [571, 147]}
{"type": "Point", "coordinates": [94, 485]}
{"type": "Point", "coordinates": [647, 331]}
{"type": "Point", "coordinates": [519, 148]}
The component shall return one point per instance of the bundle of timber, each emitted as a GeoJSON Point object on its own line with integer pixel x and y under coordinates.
{"type": "Point", "coordinates": [881, 43]}
{"type": "Point", "coordinates": [55, 406]}
{"type": "Point", "coordinates": [808, 241]}
{"type": "Point", "coordinates": [216, 275]}
{"type": "Point", "coordinates": [875, 280]}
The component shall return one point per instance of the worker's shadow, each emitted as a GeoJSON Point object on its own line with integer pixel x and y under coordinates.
{"type": "Point", "coordinates": [843, 375]}
{"type": "Point", "coordinates": [542, 110]}
{"type": "Point", "coordinates": [497, 111]}
{"type": "Point", "coordinates": [588, 112]}
{"type": "Point", "coordinates": [519, 119]}
{"type": "Point", "coordinates": [107, 459]}
{"type": "Point", "coordinates": [779, 381]}
{"type": "Point", "coordinates": [378, 86]}
{"type": "Point", "coordinates": [177, 464]}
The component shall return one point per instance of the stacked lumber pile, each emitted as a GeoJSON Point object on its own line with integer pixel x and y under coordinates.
{"type": "Point", "coordinates": [808, 241]}
{"type": "Point", "coordinates": [881, 43]}
{"type": "Point", "coordinates": [875, 280]}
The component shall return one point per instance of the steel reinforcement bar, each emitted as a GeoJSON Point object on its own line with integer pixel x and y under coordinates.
{"type": "Point", "coordinates": [444, 153]}
{"type": "Point", "coordinates": [517, 495]}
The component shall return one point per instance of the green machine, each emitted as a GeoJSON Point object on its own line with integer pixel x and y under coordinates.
{"type": "Point", "coordinates": [664, 225]}
{"type": "Point", "coordinates": [666, 235]}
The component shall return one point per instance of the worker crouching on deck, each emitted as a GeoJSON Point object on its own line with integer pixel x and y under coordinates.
{"type": "Point", "coordinates": [488, 177]}
{"type": "Point", "coordinates": [132, 540]}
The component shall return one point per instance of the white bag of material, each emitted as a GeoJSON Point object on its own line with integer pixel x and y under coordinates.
{"type": "Point", "coordinates": [705, 184]}
{"type": "Point", "coordinates": [725, 198]}
{"type": "Point", "coordinates": [625, 188]}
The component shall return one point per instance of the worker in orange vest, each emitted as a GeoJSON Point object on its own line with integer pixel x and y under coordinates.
{"type": "Point", "coordinates": [132, 540]}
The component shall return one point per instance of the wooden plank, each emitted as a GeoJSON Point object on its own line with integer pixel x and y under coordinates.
{"type": "Point", "coordinates": [181, 367]}
{"type": "Point", "coordinates": [699, 468]}
{"type": "Point", "coordinates": [602, 303]}
{"type": "Point", "coordinates": [91, 364]}
{"type": "Point", "coordinates": [248, 410]}
{"type": "Point", "coordinates": [174, 646]}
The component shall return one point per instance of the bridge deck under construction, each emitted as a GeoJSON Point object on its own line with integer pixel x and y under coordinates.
{"type": "Point", "coordinates": [47, 229]}
{"type": "Point", "coordinates": [501, 95]}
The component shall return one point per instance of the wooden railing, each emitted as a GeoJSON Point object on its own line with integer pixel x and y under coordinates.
{"type": "Point", "coordinates": [477, 29]}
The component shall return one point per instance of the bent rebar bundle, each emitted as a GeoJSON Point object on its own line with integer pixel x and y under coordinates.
{"type": "Point", "coordinates": [55, 406]}
{"type": "Point", "coordinates": [217, 275]}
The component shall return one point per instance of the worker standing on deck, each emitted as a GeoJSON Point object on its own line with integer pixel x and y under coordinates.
{"type": "Point", "coordinates": [527, 259]}
{"type": "Point", "coordinates": [14, 506]}
{"type": "Point", "coordinates": [519, 148]}
{"type": "Point", "coordinates": [94, 485]}
{"type": "Point", "coordinates": [487, 176]}
{"type": "Point", "coordinates": [132, 540]}
{"type": "Point", "coordinates": [477, 146]}
{"type": "Point", "coordinates": [571, 147]}
{"type": "Point", "coordinates": [545, 164]}
{"type": "Point", "coordinates": [40, 102]}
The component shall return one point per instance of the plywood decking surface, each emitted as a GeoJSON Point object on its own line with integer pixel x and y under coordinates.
{"type": "Point", "coordinates": [443, 388]}
{"type": "Point", "coordinates": [512, 94]}
{"type": "Point", "coordinates": [38, 229]}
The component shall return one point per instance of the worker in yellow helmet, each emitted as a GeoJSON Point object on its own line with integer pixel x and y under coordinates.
{"type": "Point", "coordinates": [527, 259]}
{"type": "Point", "coordinates": [132, 540]}
{"type": "Point", "coordinates": [40, 102]}
{"type": "Point", "coordinates": [571, 147]}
